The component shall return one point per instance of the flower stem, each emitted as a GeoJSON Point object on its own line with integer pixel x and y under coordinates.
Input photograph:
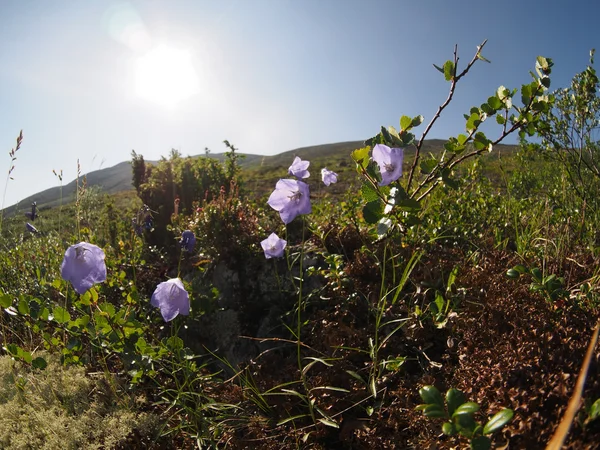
{"type": "Point", "coordinates": [301, 278]}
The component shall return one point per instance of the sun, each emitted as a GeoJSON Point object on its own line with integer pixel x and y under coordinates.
{"type": "Point", "coordinates": [166, 76]}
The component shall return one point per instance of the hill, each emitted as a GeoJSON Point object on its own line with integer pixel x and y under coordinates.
{"type": "Point", "coordinates": [258, 170]}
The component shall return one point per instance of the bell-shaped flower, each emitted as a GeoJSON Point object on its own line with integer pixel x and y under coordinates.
{"type": "Point", "coordinates": [188, 240]}
{"type": "Point", "coordinates": [291, 198]}
{"type": "Point", "coordinates": [83, 266]}
{"type": "Point", "coordinates": [328, 176]}
{"type": "Point", "coordinates": [389, 161]}
{"type": "Point", "coordinates": [31, 228]}
{"type": "Point", "coordinates": [172, 299]}
{"type": "Point", "coordinates": [273, 246]}
{"type": "Point", "coordinates": [299, 168]}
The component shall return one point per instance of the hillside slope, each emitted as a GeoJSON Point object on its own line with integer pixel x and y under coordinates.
{"type": "Point", "coordinates": [256, 167]}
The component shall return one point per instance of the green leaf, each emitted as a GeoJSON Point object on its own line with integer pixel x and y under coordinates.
{"type": "Point", "coordinates": [355, 375]}
{"type": "Point", "coordinates": [39, 363]}
{"type": "Point", "coordinates": [83, 321]}
{"type": "Point", "coordinates": [405, 122]}
{"type": "Point", "coordinates": [13, 349]}
{"type": "Point", "coordinates": [488, 109]}
{"type": "Point", "coordinates": [291, 418]}
{"type": "Point", "coordinates": [175, 343]}
{"type": "Point", "coordinates": [329, 423]}
{"type": "Point", "coordinates": [454, 398]}
{"type": "Point", "coordinates": [448, 70]}
{"type": "Point", "coordinates": [427, 165]}
{"type": "Point", "coordinates": [448, 429]}
{"type": "Point", "coordinates": [431, 395]}
{"type": "Point", "coordinates": [500, 119]}
{"type": "Point", "coordinates": [594, 410]}
{"type": "Point", "coordinates": [473, 122]}
{"type": "Point", "coordinates": [369, 193]}
{"type": "Point", "coordinates": [466, 408]}
{"type": "Point", "coordinates": [361, 156]}
{"type": "Point", "coordinates": [61, 315]}
{"type": "Point", "coordinates": [544, 64]}
{"type": "Point", "coordinates": [23, 307]}
{"type": "Point", "coordinates": [373, 211]}
{"type": "Point", "coordinates": [512, 274]}
{"type": "Point", "coordinates": [499, 419]}
{"type": "Point", "coordinates": [483, 58]}
{"type": "Point", "coordinates": [494, 103]}
{"type": "Point", "coordinates": [481, 443]}
{"type": "Point", "coordinates": [417, 120]}
{"type": "Point", "coordinates": [434, 411]}
{"type": "Point", "coordinates": [464, 422]}
{"type": "Point", "coordinates": [453, 184]}
{"type": "Point", "coordinates": [5, 300]}
{"type": "Point", "coordinates": [107, 308]}
{"type": "Point", "coordinates": [25, 356]}
{"type": "Point", "coordinates": [394, 134]}
{"type": "Point", "coordinates": [86, 299]}
{"type": "Point", "coordinates": [481, 142]}
{"type": "Point", "coordinates": [439, 302]}
{"type": "Point", "coordinates": [372, 387]}
{"type": "Point", "coordinates": [408, 204]}
{"type": "Point", "coordinates": [526, 93]}
{"type": "Point", "coordinates": [454, 146]}
{"type": "Point", "coordinates": [439, 68]}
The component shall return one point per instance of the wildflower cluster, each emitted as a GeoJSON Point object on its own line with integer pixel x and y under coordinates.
{"type": "Point", "coordinates": [291, 198]}
{"type": "Point", "coordinates": [83, 266]}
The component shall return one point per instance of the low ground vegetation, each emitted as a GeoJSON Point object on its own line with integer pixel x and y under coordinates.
{"type": "Point", "coordinates": [440, 299]}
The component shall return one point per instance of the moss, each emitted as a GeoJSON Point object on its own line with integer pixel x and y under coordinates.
{"type": "Point", "coordinates": [65, 408]}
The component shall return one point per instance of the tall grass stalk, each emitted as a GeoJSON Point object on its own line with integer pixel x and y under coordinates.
{"type": "Point", "coordinates": [13, 158]}
{"type": "Point", "coordinates": [60, 178]}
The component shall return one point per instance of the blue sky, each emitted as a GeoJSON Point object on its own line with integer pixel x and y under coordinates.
{"type": "Point", "coordinates": [94, 80]}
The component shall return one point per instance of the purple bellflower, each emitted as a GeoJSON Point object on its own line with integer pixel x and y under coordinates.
{"type": "Point", "coordinates": [188, 240]}
{"type": "Point", "coordinates": [290, 198]}
{"type": "Point", "coordinates": [273, 246]}
{"type": "Point", "coordinates": [328, 176]}
{"type": "Point", "coordinates": [299, 168]}
{"type": "Point", "coordinates": [389, 161]}
{"type": "Point", "coordinates": [172, 299]}
{"type": "Point", "coordinates": [31, 228]}
{"type": "Point", "coordinates": [83, 266]}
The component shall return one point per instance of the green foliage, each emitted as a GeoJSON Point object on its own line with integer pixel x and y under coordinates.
{"type": "Point", "coordinates": [370, 299]}
{"type": "Point", "coordinates": [399, 208]}
{"type": "Point", "coordinates": [569, 132]}
{"type": "Point", "coordinates": [227, 228]}
{"type": "Point", "coordinates": [550, 286]}
{"type": "Point", "coordinates": [459, 416]}
{"type": "Point", "coordinates": [174, 185]}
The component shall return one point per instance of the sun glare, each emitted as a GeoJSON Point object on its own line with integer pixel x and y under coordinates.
{"type": "Point", "coordinates": [166, 76]}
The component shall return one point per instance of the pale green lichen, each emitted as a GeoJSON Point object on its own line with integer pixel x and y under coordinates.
{"type": "Point", "coordinates": [62, 407]}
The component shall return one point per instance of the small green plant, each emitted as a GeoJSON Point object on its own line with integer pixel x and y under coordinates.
{"type": "Point", "coordinates": [551, 287]}
{"type": "Point", "coordinates": [445, 299]}
{"type": "Point", "coordinates": [458, 414]}
{"type": "Point", "coordinates": [593, 412]}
